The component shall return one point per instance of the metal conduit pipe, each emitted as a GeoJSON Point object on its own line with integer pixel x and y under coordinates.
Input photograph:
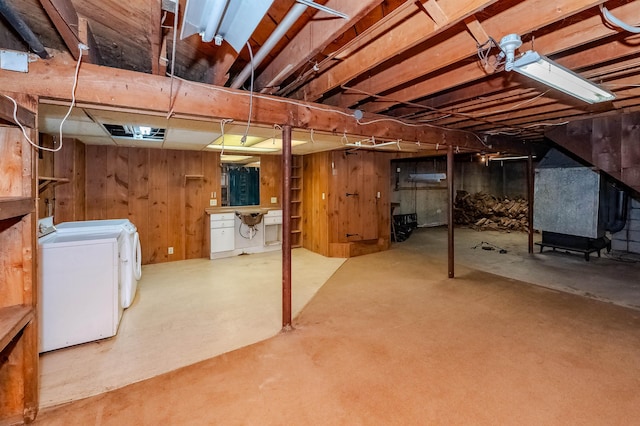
{"type": "Point", "coordinates": [23, 29]}
{"type": "Point", "coordinates": [296, 11]}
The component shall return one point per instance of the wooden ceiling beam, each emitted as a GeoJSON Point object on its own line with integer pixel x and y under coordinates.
{"type": "Point", "coordinates": [567, 37]}
{"type": "Point", "coordinates": [477, 31]}
{"type": "Point", "coordinates": [154, 32]}
{"type": "Point", "coordinates": [108, 88]}
{"type": "Point", "coordinates": [400, 38]}
{"type": "Point", "coordinates": [313, 39]}
{"type": "Point", "coordinates": [619, 57]}
{"type": "Point", "coordinates": [522, 18]}
{"type": "Point", "coordinates": [65, 19]}
{"type": "Point", "coordinates": [434, 10]}
{"type": "Point", "coordinates": [559, 112]}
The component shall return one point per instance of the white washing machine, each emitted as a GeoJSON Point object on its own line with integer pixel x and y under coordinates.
{"type": "Point", "coordinates": [79, 288]}
{"type": "Point", "coordinates": [130, 256]}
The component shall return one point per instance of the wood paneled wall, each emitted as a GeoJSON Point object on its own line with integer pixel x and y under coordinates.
{"type": "Point", "coordinates": [342, 225]}
{"type": "Point", "coordinates": [163, 192]}
{"type": "Point", "coordinates": [69, 163]}
{"type": "Point", "coordinates": [270, 180]}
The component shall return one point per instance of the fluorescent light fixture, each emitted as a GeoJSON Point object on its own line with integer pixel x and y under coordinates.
{"type": "Point", "coordinates": [240, 148]}
{"type": "Point", "coordinates": [546, 71]}
{"type": "Point", "coordinates": [231, 20]}
{"type": "Point", "coordinates": [518, 157]}
{"type": "Point", "coordinates": [225, 158]}
{"type": "Point", "coordinates": [427, 177]}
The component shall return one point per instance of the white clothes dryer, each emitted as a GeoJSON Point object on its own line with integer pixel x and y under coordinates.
{"type": "Point", "coordinates": [130, 256]}
{"type": "Point", "coordinates": [80, 297]}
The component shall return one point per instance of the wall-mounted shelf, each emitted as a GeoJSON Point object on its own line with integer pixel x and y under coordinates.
{"type": "Point", "coordinates": [11, 207]}
{"type": "Point", "coordinates": [192, 177]}
{"type": "Point", "coordinates": [45, 181]}
{"type": "Point", "coordinates": [12, 320]}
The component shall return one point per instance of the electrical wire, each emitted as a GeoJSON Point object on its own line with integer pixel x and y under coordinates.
{"type": "Point", "coordinates": [608, 16]}
{"type": "Point", "coordinates": [73, 102]}
{"type": "Point", "coordinates": [222, 123]}
{"type": "Point", "coordinates": [173, 58]}
{"type": "Point", "coordinates": [246, 132]}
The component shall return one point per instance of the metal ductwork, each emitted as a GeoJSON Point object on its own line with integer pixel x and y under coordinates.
{"type": "Point", "coordinates": [294, 14]}
{"type": "Point", "coordinates": [23, 29]}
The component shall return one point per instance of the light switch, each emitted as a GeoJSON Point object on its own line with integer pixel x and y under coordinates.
{"type": "Point", "coordinates": [213, 202]}
{"type": "Point", "coordinates": [274, 200]}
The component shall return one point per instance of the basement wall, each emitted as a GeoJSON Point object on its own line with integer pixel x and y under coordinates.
{"type": "Point", "coordinates": [429, 200]}
{"type": "Point", "coordinates": [629, 238]}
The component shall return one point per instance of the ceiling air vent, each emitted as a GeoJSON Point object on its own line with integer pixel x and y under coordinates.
{"type": "Point", "coordinates": [135, 132]}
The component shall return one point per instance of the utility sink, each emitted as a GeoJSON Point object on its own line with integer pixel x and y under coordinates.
{"type": "Point", "coordinates": [250, 219]}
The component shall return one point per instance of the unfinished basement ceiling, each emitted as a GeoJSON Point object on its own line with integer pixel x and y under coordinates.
{"type": "Point", "coordinates": [415, 61]}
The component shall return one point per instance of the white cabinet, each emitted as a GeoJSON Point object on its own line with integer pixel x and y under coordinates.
{"type": "Point", "coordinates": [222, 233]}
{"type": "Point", "coordinates": [272, 228]}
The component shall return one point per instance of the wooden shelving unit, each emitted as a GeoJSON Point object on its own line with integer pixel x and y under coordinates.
{"type": "Point", "coordinates": [296, 201]}
{"type": "Point", "coordinates": [18, 280]}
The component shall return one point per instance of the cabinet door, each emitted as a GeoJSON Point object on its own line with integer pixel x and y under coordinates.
{"type": "Point", "coordinates": [222, 239]}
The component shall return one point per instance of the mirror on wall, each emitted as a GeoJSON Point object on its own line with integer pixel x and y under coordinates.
{"type": "Point", "coordinates": [240, 180]}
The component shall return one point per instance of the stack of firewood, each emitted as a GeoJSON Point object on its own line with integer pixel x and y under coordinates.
{"type": "Point", "coordinates": [483, 211]}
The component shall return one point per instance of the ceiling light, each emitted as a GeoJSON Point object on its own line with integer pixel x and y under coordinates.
{"type": "Point", "coordinates": [227, 148]}
{"type": "Point", "coordinates": [546, 71]}
{"type": "Point", "coordinates": [233, 21]}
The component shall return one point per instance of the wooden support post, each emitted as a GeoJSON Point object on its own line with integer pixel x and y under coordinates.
{"type": "Point", "coordinates": [286, 227]}
{"type": "Point", "coordinates": [450, 190]}
{"type": "Point", "coordinates": [530, 199]}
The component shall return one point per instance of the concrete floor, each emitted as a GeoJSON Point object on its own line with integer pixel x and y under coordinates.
{"type": "Point", "coordinates": [421, 348]}
{"type": "Point", "coordinates": [389, 340]}
{"type": "Point", "coordinates": [614, 278]}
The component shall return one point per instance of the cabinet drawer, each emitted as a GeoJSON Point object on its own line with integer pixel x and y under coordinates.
{"type": "Point", "coordinates": [222, 224]}
{"type": "Point", "coordinates": [273, 213]}
{"type": "Point", "coordinates": [273, 220]}
{"type": "Point", "coordinates": [222, 216]}
{"type": "Point", "coordinates": [222, 239]}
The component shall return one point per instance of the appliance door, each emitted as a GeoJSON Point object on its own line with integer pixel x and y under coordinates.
{"type": "Point", "coordinates": [79, 279]}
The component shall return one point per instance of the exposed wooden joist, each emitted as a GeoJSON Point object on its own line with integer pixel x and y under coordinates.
{"type": "Point", "coordinates": [25, 117]}
{"type": "Point", "coordinates": [65, 18]}
{"type": "Point", "coordinates": [312, 39]}
{"type": "Point", "coordinates": [156, 37]}
{"type": "Point", "coordinates": [434, 10]}
{"type": "Point", "coordinates": [565, 38]}
{"type": "Point", "coordinates": [413, 31]}
{"type": "Point", "coordinates": [476, 29]}
{"type": "Point", "coordinates": [112, 88]}
{"type": "Point", "coordinates": [522, 18]}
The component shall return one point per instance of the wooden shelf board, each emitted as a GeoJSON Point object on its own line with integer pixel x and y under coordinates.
{"type": "Point", "coordinates": [296, 231]}
{"type": "Point", "coordinates": [44, 181]}
{"type": "Point", "coordinates": [15, 206]}
{"type": "Point", "coordinates": [296, 201]}
{"type": "Point", "coordinates": [296, 217]}
{"type": "Point", "coordinates": [12, 320]}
